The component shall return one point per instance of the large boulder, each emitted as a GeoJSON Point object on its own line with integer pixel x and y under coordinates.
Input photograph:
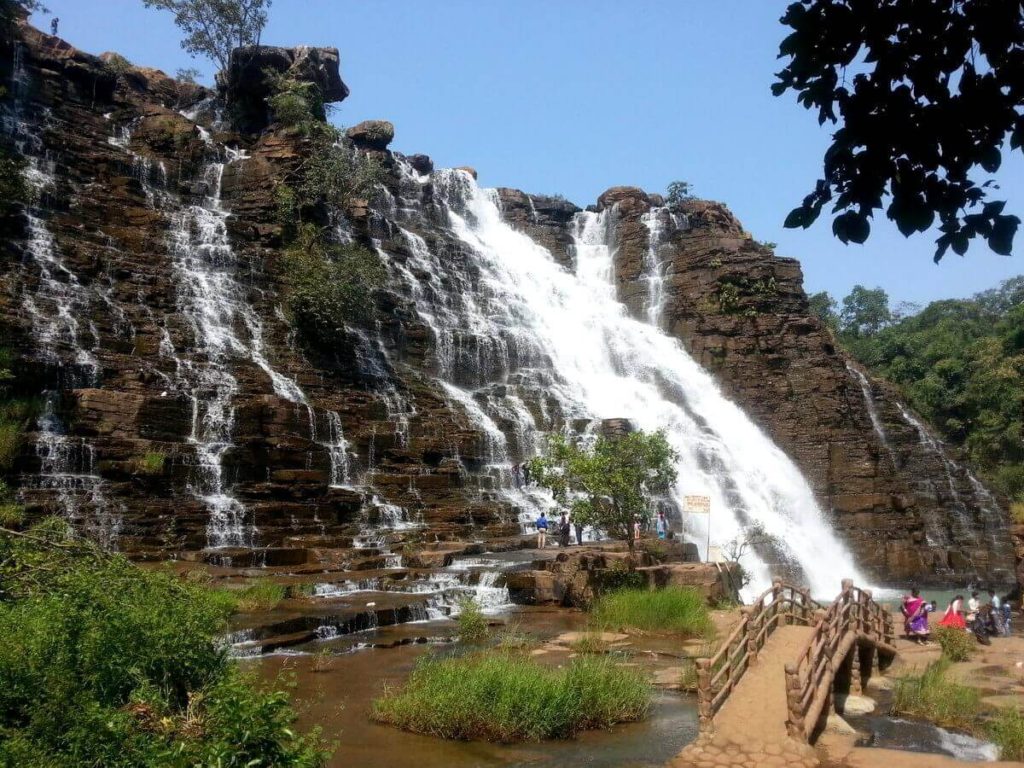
{"type": "Point", "coordinates": [372, 134]}
{"type": "Point", "coordinates": [247, 86]}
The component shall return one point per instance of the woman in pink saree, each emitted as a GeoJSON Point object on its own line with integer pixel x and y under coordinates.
{"type": "Point", "coordinates": [915, 616]}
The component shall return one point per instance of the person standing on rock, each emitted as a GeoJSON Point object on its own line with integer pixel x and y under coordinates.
{"type": "Point", "coordinates": [578, 526]}
{"type": "Point", "coordinates": [563, 531]}
{"type": "Point", "coordinates": [54, 23]}
{"type": "Point", "coordinates": [542, 530]}
{"type": "Point", "coordinates": [661, 524]}
{"type": "Point", "coordinates": [526, 474]}
{"type": "Point", "coordinates": [517, 475]}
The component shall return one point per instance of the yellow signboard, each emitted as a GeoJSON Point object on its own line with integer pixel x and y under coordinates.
{"type": "Point", "coordinates": [697, 505]}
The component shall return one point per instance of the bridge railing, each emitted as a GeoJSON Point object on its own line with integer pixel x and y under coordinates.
{"type": "Point", "coordinates": [718, 676]}
{"type": "Point", "coordinates": [853, 617]}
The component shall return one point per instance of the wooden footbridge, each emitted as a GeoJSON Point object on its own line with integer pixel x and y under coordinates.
{"type": "Point", "coordinates": [765, 695]}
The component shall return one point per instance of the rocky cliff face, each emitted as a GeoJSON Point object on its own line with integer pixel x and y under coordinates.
{"type": "Point", "coordinates": [142, 300]}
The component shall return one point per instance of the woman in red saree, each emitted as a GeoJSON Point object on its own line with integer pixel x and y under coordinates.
{"type": "Point", "coordinates": [915, 616]}
{"type": "Point", "coordinates": [954, 615]}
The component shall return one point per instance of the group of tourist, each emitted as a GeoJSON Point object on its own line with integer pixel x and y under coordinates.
{"type": "Point", "coordinates": [564, 529]}
{"type": "Point", "coordinates": [985, 620]}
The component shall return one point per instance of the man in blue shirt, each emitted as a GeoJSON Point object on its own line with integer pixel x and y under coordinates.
{"type": "Point", "coordinates": [542, 530]}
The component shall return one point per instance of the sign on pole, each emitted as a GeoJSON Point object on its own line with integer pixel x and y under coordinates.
{"type": "Point", "coordinates": [700, 505]}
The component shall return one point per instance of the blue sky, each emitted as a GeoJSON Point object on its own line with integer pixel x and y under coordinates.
{"type": "Point", "coordinates": [576, 96]}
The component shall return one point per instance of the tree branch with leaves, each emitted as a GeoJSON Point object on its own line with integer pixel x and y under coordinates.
{"type": "Point", "coordinates": [214, 28]}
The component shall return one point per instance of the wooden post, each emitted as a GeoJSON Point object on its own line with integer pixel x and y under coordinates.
{"type": "Point", "coordinates": [776, 596]}
{"type": "Point", "coordinates": [751, 632]}
{"type": "Point", "coordinates": [704, 694]}
{"type": "Point", "coordinates": [855, 679]}
{"type": "Point", "coordinates": [795, 720]}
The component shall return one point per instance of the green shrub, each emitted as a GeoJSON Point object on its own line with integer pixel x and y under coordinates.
{"type": "Point", "coordinates": [675, 609]}
{"type": "Point", "coordinates": [471, 620]}
{"type": "Point", "coordinates": [295, 104]}
{"type": "Point", "coordinates": [1006, 729]}
{"type": "Point", "coordinates": [105, 664]}
{"type": "Point", "coordinates": [505, 697]}
{"type": "Point", "coordinates": [934, 697]}
{"type": "Point", "coordinates": [957, 645]}
{"type": "Point", "coordinates": [590, 642]}
{"type": "Point", "coordinates": [11, 515]}
{"type": "Point", "coordinates": [330, 287]}
{"type": "Point", "coordinates": [118, 64]}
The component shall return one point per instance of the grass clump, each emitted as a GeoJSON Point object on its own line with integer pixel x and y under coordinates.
{"type": "Point", "coordinates": [471, 620]}
{"type": "Point", "coordinates": [1006, 730]}
{"type": "Point", "coordinates": [151, 463]}
{"type": "Point", "coordinates": [957, 645]}
{"type": "Point", "coordinates": [590, 642]}
{"type": "Point", "coordinates": [105, 664]}
{"type": "Point", "coordinates": [262, 595]}
{"type": "Point", "coordinates": [507, 697]}
{"type": "Point", "coordinates": [673, 609]}
{"type": "Point", "coordinates": [934, 697]}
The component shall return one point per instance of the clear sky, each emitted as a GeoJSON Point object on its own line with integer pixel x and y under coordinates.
{"type": "Point", "coordinates": [575, 96]}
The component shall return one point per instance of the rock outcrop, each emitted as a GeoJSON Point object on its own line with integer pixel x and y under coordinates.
{"type": "Point", "coordinates": [248, 81]}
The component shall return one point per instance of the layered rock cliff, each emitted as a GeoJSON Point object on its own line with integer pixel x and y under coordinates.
{"type": "Point", "coordinates": [142, 299]}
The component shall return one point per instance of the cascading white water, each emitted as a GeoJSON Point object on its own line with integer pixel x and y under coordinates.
{"type": "Point", "coordinates": [574, 344]}
{"type": "Point", "coordinates": [869, 403]}
{"type": "Point", "coordinates": [660, 222]}
{"type": "Point", "coordinates": [963, 525]}
{"type": "Point", "coordinates": [55, 303]}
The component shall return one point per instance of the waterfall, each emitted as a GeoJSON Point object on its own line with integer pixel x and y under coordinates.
{"type": "Point", "coordinates": [984, 505]}
{"type": "Point", "coordinates": [55, 305]}
{"type": "Point", "coordinates": [869, 403]}
{"type": "Point", "coordinates": [512, 325]}
{"type": "Point", "coordinates": [660, 223]}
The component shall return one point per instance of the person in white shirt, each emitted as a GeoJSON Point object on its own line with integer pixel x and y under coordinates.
{"type": "Point", "coordinates": [972, 607]}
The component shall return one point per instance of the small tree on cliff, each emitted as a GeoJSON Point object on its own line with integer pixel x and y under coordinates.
{"type": "Point", "coordinates": [607, 482]}
{"type": "Point", "coordinates": [213, 28]}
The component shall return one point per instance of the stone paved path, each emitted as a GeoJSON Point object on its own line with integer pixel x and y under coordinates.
{"type": "Point", "coordinates": [750, 729]}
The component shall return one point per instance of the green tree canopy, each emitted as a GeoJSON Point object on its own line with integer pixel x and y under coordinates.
{"type": "Point", "coordinates": [607, 482]}
{"type": "Point", "coordinates": [823, 307]}
{"type": "Point", "coordinates": [865, 311]}
{"type": "Point", "coordinates": [213, 28]}
{"type": "Point", "coordinates": [926, 94]}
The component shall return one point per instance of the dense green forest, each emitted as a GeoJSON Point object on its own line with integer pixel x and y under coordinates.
{"type": "Point", "coordinates": [959, 362]}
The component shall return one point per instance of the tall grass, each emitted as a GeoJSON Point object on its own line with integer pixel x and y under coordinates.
{"type": "Point", "coordinates": [674, 609]}
{"type": "Point", "coordinates": [1006, 729]}
{"type": "Point", "coordinates": [471, 620]}
{"type": "Point", "coordinates": [507, 696]}
{"type": "Point", "coordinates": [933, 696]}
{"type": "Point", "coordinates": [262, 595]}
